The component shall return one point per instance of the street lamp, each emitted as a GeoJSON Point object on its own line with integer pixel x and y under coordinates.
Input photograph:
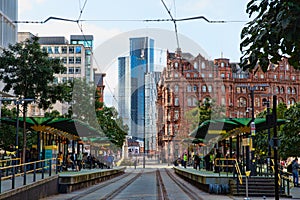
{"type": "Point", "coordinates": [268, 120]}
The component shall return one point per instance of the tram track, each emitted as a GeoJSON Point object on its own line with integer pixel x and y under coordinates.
{"type": "Point", "coordinates": [187, 190]}
{"type": "Point", "coordinates": [94, 189]}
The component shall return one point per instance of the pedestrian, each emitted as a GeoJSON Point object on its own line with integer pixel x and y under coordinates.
{"type": "Point", "coordinates": [79, 161]}
{"type": "Point", "coordinates": [59, 161]}
{"type": "Point", "coordinates": [295, 167]}
{"type": "Point", "coordinates": [185, 159]}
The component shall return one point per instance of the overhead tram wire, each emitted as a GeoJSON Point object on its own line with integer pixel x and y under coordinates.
{"type": "Point", "coordinates": [175, 25]}
{"type": "Point", "coordinates": [129, 20]}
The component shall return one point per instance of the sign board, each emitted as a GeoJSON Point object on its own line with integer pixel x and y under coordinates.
{"type": "Point", "coordinates": [246, 142]}
{"type": "Point", "coordinates": [252, 128]}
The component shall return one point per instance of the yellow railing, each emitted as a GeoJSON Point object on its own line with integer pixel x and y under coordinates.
{"type": "Point", "coordinates": [229, 163]}
{"type": "Point", "coordinates": [10, 161]}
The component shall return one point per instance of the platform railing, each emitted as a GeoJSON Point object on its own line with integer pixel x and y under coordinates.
{"type": "Point", "coordinates": [13, 170]}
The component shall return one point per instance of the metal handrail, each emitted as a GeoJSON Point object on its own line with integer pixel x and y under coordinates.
{"type": "Point", "coordinates": [231, 165]}
{"type": "Point", "coordinates": [15, 170]}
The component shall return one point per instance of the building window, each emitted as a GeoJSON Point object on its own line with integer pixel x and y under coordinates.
{"type": "Point", "coordinates": [176, 114]}
{"type": "Point", "coordinates": [203, 75]}
{"type": "Point", "coordinates": [71, 49]}
{"type": "Point", "coordinates": [223, 88]}
{"type": "Point", "coordinates": [64, 60]}
{"type": "Point", "coordinates": [203, 88]}
{"type": "Point", "coordinates": [176, 88]}
{"type": "Point", "coordinates": [210, 75]}
{"type": "Point", "coordinates": [293, 78]}
{"type": "Point", "coordinates": [288, 90]}
{"type": "Point", "coordinates": [188, 75]}
{"type": "Point", "coordinates": [78, 60]}
{"type": "Point", "coordinates": [56, 50]}
{"type": "Point", "coordinates": [71, 60]}
{"type": "Point", "coordinates": [78, 49]}
{"type": "Point", "coordinates": [50, 50]}
{"type": "Point", "coordinates": [195, 101]}
{"type": "Point", "coordinates": [262, 76]}
{"type": "Point", "coordinates": [195, 88]}
{"type": "Point", "coordinates": [195, 65]}
{"type": "Point", "coordinates": [176, 65]}
{"type": "Point", "coordinates": [209, 88]}
{"type": "Point", "coordinates": [222, 64]}
{"type": "Point", "coordinates": [282, 90]}
{"type": "Point", "coordinates": [189, 101]}
{"type": "Point", "coordinates": [222, 75]}
{"type": "Point", "coordinates": [176, 101]}
{"type": "Point", "coordinates": [176, 75]}
{"type": "Point", "coordinates": [257, 102]}
{"type": "Point", "coordinates": [203, 65]}
{"type": "Point", "coordinates": [275, 77]}
{"type": "Point", "coordinates": [195, 75]}
{"type": "Point", "coordinates": [242, 102]}
{"type": "Point", "coordinates": [44, 49]}
{"type": "Point", "coordinates": [77, 70]}
{"type": "Point", "coordinates": [71, 70]}
{"type": "Point", "coordinates": [64, 49]}
{"type": "Point", "coordinates": [189, 88]}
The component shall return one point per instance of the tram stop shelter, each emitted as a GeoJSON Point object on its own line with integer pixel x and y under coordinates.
{"type": "Point", "coordinates": [218, 130]}
{"type": "Point", "coordinates": [52, 132]}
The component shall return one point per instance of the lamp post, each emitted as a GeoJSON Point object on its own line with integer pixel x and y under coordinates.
{"type": "Point", "coordinates": [268, 120]}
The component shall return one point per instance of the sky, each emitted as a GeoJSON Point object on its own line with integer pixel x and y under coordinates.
{"type": "Point", "coordinates": [107, 21]}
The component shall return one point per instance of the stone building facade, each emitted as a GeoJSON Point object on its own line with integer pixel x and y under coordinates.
{"type": "Point", "coordinates": [187, 81]}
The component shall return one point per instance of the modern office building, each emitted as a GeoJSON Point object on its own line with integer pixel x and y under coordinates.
{"type": "Point", "coordinates": [132, 71]}
{"type": "Point", "coordinates": [75, 56]}
{"type": "Point", "coordinates": [8, 29]}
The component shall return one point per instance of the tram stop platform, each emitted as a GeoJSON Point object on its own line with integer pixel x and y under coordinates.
{"type": "Point", "coordinates": [63, 182]}
{"type": "Point", "coordinates": [227, 183]}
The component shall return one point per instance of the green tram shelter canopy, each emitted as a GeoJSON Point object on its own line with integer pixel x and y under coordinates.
{"type": "Point", "coordinates": [71, 129]}
{"type": "Point", "coordinates": [227, 127]}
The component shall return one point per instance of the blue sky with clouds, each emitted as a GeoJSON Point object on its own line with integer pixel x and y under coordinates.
{"type": "Point", "coordinates": [213, 38]}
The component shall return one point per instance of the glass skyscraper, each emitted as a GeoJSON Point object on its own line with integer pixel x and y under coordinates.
{"type": "Point", "coordinates": [132, 71]}
{"type": "Point", "coordinates": [8, 29]}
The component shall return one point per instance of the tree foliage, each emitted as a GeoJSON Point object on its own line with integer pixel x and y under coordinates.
{"type": "Point", "coordinates": [112, 125]}
{"type": "Point", "coordinates": [210, 110]}
{"type": "Point", "coordinates": [289, 134]}
{"type": "Point", "coordinates": [272, 34]}
{"type": "Point", "coordinates": [29, 73]}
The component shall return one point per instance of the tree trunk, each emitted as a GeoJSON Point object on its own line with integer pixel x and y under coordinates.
{"type": "Point", "coordinates": [24, 133]}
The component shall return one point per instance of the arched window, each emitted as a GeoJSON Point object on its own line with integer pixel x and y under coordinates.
{"type": "Point", "coordinates": [203, 65]}
{"type": "Point", "coordinates": [282, 90]}
{"type": "Point", "coordinates": [203, 88]}
{"type": "Point", "coordinates": [196, 65]}
{"type": "Point", "coordinates": [288, 90]}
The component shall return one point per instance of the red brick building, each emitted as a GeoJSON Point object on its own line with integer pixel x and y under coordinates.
{"type": "Point", "coordinates": [186, 80]}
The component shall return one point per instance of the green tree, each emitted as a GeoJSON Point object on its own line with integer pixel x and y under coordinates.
{"type": "Point", "coordinates": [272, 34]}
{"type": "Point", "coordinates": [29, 73]}
{"type": "Point", "coordinates": [112, 125]}
{"type": "Point", "coordinates": [210, 110]}
{"type": "Point", "coordinates": [289, 134]}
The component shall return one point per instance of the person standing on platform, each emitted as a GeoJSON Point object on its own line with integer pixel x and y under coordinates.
{"type": "Point", "coordinates": [185, 159]}
{"type": "Point", "coordinates": [295, 167]}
